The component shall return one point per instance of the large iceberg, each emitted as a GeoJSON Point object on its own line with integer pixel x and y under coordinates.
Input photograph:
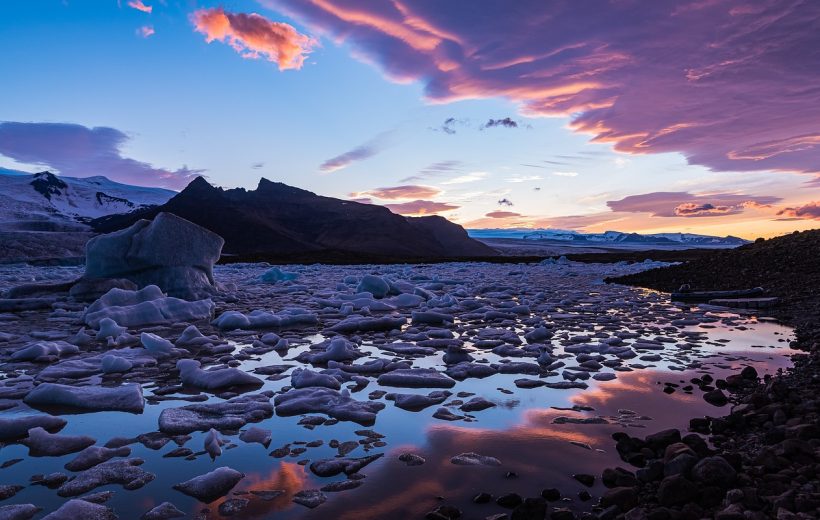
{"type": "Point", "coordinates": [170, 252]}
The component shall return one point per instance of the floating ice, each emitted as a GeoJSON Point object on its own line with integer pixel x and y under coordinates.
{"type": "Point", "coordinates": [155, 344]}
{"type": "Point", "coordinates": [416, 378]}
{"type": "Point", "coordinates": [275, 275]}
{"type": "Point", "coordinates": [169, 251]}
{"type": "Point", "coordinates": [338, 405]}
{"type": "Point", "coordinates": [111, 364]}
{"type": "Point", "coordinates": [43, 444]}
{"type": "Point", "coordinates": [304, 378]}
{"type": "Point", "coordinates": [373, 284]}
{"type": "Point", "coordinates": [17, 427]}
{"type": "Point", "coordinates": [210, 486]}
{"type": "Point", "coordinates": [93, 455]}
{"type": "Point", "coordinates": [74, 509]}
{"type": "Point", "coordinates": [190, 374]}
{"type": "Point", "coordinates": [229, 415]}
{"type": "Point", "coordinates": [145, 307]}
{"type": "Point", "coordinates": [348, 466]}
{"type": "Point", "coordinates": [126, 398]}
{"type": "Point", "coordinates": [126, 472]}
{"type": "Point", "coordinates": [337, 349]}
{"type": "Point", "coordinates": [259, 319]}
{"type": "Point", "coordinates": [44, 349]}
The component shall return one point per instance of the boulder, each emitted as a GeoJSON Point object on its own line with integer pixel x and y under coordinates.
{"type": "Point", "coordinates": [170, 252]}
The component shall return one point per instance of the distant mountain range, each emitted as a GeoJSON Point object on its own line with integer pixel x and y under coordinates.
{"type": "Point", "coordinates": [280, 223]}
{"type": "Point", "coordinates": [608, 237]}
{"type": "Point", "coordinates": [26, 200]}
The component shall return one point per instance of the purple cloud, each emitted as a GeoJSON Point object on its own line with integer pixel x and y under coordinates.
{"type": "Point", "coordinates": [502, 214]}
{"type": "Point", "coordinates": [729, 84]}
{"type": "Point", "coordinates": [684, 204]}
{"type": "Point", "coordinates": [810, 211]}
{"type": "Point", "coordinates": [360, 153]}
{"type": "Point", "coordinates": [79, 151]}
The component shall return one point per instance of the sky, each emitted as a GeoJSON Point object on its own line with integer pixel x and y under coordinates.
{"type": "Point", "coordinates": [698, 116]}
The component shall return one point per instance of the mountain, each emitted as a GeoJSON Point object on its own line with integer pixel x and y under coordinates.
{"type": "Point", "coordinates": [609, 238]}
{"type": "Point", "coordinates": [280, 223]}
{"type": "Point", "coordinates": [45, 199]}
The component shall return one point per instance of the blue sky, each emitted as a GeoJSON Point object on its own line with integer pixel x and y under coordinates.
{"type": "Point", "coordinates": [182, 102]}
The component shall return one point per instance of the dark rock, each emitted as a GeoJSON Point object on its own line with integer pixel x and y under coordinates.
{"type": "Point", "coordinates": [714, 471]}
{"type": "Point", "coordinates": [510, 500]}
{"type": "Point", "coordinates": [716, 398]}
{"type": "Point", "coordinates": [625, 498]}
{"type": "Point", "coordinates": [659, 441]}
{"type": "Point", "coordinates": [551, 494]}
{"type": "Point", "coordinates": [482, 498]}
{"type": "Point", "coordinates": [676, 490]}
{"type": "Point", "coordinates": [530, 509]}
{"type": "Point", "coordinates": [585, 479]}
{"type": "Point", "coordinates": [444, 513]}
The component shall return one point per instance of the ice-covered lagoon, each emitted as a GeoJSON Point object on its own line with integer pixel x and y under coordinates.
{"type": "Point", "coordinates": [522, 325]}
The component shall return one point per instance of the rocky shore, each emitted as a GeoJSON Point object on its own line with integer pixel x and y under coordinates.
{"type": "Point", "coordinates": [765, 456]}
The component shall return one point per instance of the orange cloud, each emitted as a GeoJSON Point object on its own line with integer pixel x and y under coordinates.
{"type": "Point", "coordinates": [409, 191]}
{"type": "Point", "coordinates": [253, 36]}
{"type": "Point", "coordinates": [139, 6]}
{"type": "Point", "coordinates": [420, 207]}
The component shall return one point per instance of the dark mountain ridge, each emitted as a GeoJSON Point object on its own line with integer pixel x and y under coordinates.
{"type": "Point", "coordinates": [280, 223]}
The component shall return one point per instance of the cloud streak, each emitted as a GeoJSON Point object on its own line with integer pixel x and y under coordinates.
{"type": "Point", "coordinates": [420, 207]}
{"type": "Point", "coordinates": [140, 6]}
{"type": "Point", "coordinates": [408, 191]}
{"type": "Point", "coordinates": [810, 211]}
{"type": "Point", "coordinates": [729, 84]}
{"type": "Point", "coordinates": [684, 204]}
{"type": "Point", "coordinates": [253, 36]}
{"type": "Point", "coordinates": [360, 153]}
{"type": "Point", "coordinates": [79, 151]}
{"type": "Point", "coordinates": [502, 214]}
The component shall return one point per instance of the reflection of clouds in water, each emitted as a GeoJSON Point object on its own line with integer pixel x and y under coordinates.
{"type": "Point", "coordinates": [286, 476]}
{"type": "Point", "coordinates": [536, 449]}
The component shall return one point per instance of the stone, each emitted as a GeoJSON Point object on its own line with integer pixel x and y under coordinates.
{"type": "Point", "coordinates": [716, 397]}
{"type": "Point", "coordinates": [714, 471]}
{"type": "Point", "coordinates": [170, 252]}
{"type": "Point", "coordinates": [676, 490]}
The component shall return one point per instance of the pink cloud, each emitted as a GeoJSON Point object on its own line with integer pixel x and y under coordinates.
{"type": "Point", "coordinates": [810, 211]}
{"type": "Point", "coordinates": [684, 204]}
{"type": "Point", "coordinates": [79, 151]}
{"type": "Point", "coordinates": [409, 191]}
{"type": "Point", "coordinates": [729, 84]}
{"type": "Point", "coordinates": [502, 214]}
{"type": "Point", "coordinates": [145, 31]}
{"type": "Point", "coordinates": [420, 207]}
{"type": "Point", "coordinates": [254, 36]}
{"type": "Point", "coordinates": [138, 5]}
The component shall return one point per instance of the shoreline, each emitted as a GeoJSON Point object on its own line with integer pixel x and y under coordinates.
{"type": "Point", "coordinates": [766, 450]}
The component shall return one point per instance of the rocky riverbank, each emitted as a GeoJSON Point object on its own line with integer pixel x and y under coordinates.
{"type": "Point", "coordinates": [764, 459]}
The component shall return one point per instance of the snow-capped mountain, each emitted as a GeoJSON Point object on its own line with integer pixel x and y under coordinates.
{"type": "Point", "coordinates": [47, 197]}
{"type": "Point", "coordinates": [609, 237]}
